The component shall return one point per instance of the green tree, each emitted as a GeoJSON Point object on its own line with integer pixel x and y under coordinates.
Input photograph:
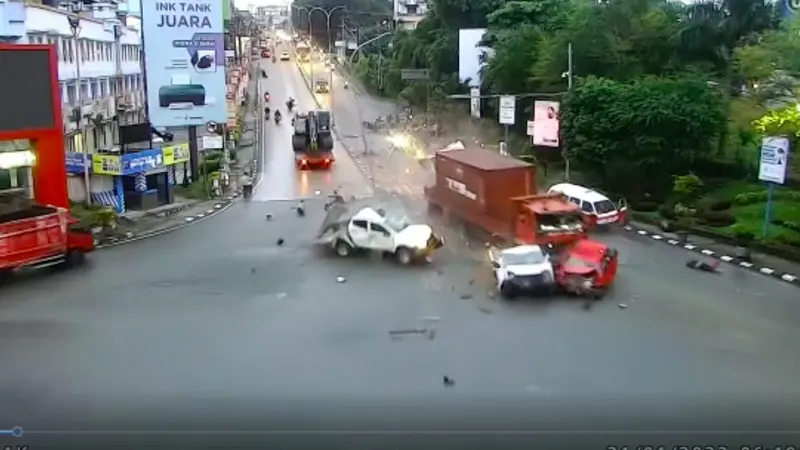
{"type": "Point", "coordinates": [632, 136]}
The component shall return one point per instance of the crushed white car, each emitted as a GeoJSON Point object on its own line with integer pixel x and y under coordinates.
{"type": "Point", "coordinates": [524, 269]}
{"type": "Point", "coordinates": [362, 226]}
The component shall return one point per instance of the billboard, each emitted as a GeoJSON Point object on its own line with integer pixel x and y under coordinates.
{"type": "Point", "coordinates": [545, 123]}
{"type": "Point", "coordinates": [26, 109]}
{"type": "Point", "coordinates": [470, 55]}
{"type": "Point", "coordinates": [184, 56]}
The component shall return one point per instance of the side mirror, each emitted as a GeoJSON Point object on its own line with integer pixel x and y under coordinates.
{"type": "Point", "coordinates": [495, 264]}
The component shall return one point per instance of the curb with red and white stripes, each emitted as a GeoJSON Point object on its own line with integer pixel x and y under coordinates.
{"type": "Point", "coordinates": [768, 271]}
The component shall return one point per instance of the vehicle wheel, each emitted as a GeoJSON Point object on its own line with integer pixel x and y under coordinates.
{"type": "Point", "coordinates": [507, 292]}
{"type": "Point", "coordinates": [74, 258]}
{"type": "Point", "coordinates": [343, 249]}
{"type": "Point", "coordinates": [404, 256]}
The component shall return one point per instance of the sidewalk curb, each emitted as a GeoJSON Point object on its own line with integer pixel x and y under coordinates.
{"type": "Point", "coordinates": [789, 278]}
{"type": "Point", "coordinates": [219, 207]}
{"type": "Point", "coordinates": [362, 167]}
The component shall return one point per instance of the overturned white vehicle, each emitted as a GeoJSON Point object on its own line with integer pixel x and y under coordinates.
{"type": "Point", "coordinates": [362, 226]}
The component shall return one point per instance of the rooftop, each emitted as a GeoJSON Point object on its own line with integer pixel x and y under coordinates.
{"type": "Point", "coordinates": [480, 158]}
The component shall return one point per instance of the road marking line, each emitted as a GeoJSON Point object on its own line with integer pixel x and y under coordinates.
{"type": "Point", "coordinates": [642, 232]}
{"type": "Point", "coordinates": [209, 211]}
{"type": "Point", "coordinates": [673, 242]}
{"type": "Point", "coordinates": [707, 252]}
{"type": "Point", "coordinates": [628, 228]}
{"type": "Point", "coordinates": [766, 270]}
{"type": "Point", "coordinates": [789, 278]}
{"type": "Point", "coordinates": [218, 206]}
{"type": "Point", "coordinates": [657, 237]}
{"type": "Point", "coordinates": [726, 258]}
{"type": "Point", "coordinates": [689, 247]}
{"type": "Point", "coordinates": [200, 215]}
{"type": "Point", "coordinates": [189, 219]}
{"type": "Point", "coordinates": [745, 264]}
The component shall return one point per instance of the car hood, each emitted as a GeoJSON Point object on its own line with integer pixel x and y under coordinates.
{"type": "Point", "coordinates": [416, 235]}
{"type": "Point", "coordinates": [530, 269]}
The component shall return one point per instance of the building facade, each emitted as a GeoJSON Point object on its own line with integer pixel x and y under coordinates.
{"type": "Point", "coordinates": [408, 13]}
{"type": "Point", "coordinates": [99, 70]}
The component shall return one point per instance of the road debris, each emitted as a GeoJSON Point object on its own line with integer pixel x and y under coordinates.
{"type": "Point", "coordinates": [449, 382]}
{"type": "Point", "coordinates": [485, 310]}
{"type": "Point", "coordinates": [269, 217]}
{"type": "Point", "coordinates": [252, 270]}
{"type": "Point", "coordinates": [301, 210]}
{"type": "Point", "coordinates": [412, 332]}
{"type": "Point", "coordinates": [622, 306]}
{"type": "Point", "coordinates": [466, 296]}
{"type": "Point", "coordinates": [280, 242]}
{"type": "Point", "coordinates": [340, 279]}
{"type": "Point", "coordinates": [317, 193]}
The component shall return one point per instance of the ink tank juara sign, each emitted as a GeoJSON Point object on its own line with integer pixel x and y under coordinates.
{"type": "Point", "coordinates": [184, 55]}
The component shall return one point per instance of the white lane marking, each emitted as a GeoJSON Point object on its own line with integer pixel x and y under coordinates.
{"type": "Point", "coordinates": [707, 252]}
{"type": "Point", "coordinates": [745, 264]}
{"type": "Point", "coordinates": [657, 237]}
{"type": "Point", "coordinates": [672, 242]}
{"type": "Point", "coordinates": [689, 247]}
{"type": "Point", "coordinates": [726, 258]}
{"type": "Point", "coordinates": [766, 271]}
{"type": "Point", "coordinates": [789, 278]}
{"type": "Point", "coordinates": [642, 232]}
{"type": "Point", "coordinates": [200, 216]}
{"type": "Point", "coordinates": [189, 219]}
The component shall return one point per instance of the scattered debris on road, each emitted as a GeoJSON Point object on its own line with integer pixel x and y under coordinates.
{"type": "Point", "coordinates": [280, 242]}
{"type": "Point", "coordinates": [449, 382]}
{"type": "Point", "coordinates": [269, 216]}
{"type": "Point", "coordinates": [466, 296]}
{"type": "Point", "coordinates": [696, 264]}
{"type": "Point", "coordinates": [252, 270]}
{"type": "Point", "coordinates": [340, 279]}
{"type": "Point", "coordinates": [622, 306]}
{"type": "Point", "coordinates": [317, 193]}
{"type": "Point", "coordinates": [485, 310]}
{"type": "Point", "coordinates": [415, 332]}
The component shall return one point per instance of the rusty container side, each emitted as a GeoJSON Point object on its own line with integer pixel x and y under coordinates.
{"type": "Point", "coordinates": [504, 184]}
{"type": "Point", "coordinates": [460, 187]}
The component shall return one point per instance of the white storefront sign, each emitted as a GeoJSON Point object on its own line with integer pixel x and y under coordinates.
{"type": "Point", "coordinates": [507, 109]}
{"type": "Point", "coordinates": [774, 159]}
{"type": "Point", "coordinates": [545, 124]}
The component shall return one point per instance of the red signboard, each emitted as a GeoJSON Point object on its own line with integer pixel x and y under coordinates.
{"type": "Point", "coordinates": [31, 109]}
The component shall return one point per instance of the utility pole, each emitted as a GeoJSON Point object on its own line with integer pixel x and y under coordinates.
{"type": "Point", "coordinates": [75, 26]}
{"type": "Point", "coordinates": [565, 151]}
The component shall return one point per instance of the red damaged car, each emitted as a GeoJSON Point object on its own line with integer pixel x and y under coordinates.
{"type": "Point", "coordinates": [587, 268]}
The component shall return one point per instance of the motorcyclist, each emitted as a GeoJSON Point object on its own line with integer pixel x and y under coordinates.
{"type": "Point", "coordinates": [266, 113]}
{"type": "Point", "coordinates": [247, 185]}
{"type": "Point", "coordinates": [266, 96]}
{"type": "Point", "coordinates": [346, 85]}
{"type": "Point", "coordinates": [290, 104]}
{"type": "Point", "coordinates": [263, 73]}
{"type": "Point", "coordinates": [277, 117]}
{"type": "Point", "coordinates": [273, 59]}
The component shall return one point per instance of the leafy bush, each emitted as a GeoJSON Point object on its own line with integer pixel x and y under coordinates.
{"type": "Point", "coordinates": [789, 225]}
{"type": "Point", "coordinates": [717, 218]}
{"type": "Point", "coordinates": [749, 198]}
{"type": "Point", "coordinates": [720, 205]}
{"type": "Point", "coordinates": [682, 210]}
{"type": "Point", "coordinates": [644, 206]}
{"type": "Point", "coordinates": [687, 186]}
{"type": "Point", "coordinates": [741, 233]}
{"type": "Point", "coordinates": [667, 211]}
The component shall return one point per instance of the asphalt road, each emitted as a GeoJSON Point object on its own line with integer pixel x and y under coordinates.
{"type": "Point", "coordinates": [280, 179]}
{"type": "Point", "coordinates": [217, 328]}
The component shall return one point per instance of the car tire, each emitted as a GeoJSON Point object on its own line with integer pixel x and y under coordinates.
{"type": "Point", "coordinates": [404, 256]}
{"type": "Point", "coordinates": [507, 292]}
{"type": "Point", "coordinates": [343, 249]}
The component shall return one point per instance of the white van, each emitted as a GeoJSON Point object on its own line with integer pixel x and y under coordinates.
{"type": "Point", "coordinates": [596, 207]}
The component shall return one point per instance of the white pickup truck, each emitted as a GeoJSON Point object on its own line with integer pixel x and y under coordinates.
{"type": "Point", "coordinates": [523, 269]}
{"type": "Point", "coordinates": [356, 227]}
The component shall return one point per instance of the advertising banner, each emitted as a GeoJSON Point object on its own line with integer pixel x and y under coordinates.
{"type": "Point", "coordinates": [142, 161]}
{"type": "Point", "coordinates": [176, 154]}
{"type": "Point", "coordinates": [545, 124]}
{"type": "Point", "coordinates": [774, 159]}
{"type": "Point", "coordinates": [185, 58]}
{"type": "Point", "coordinates": [76, 162]}
{"type": "Point", "coordinates": [106, 165]}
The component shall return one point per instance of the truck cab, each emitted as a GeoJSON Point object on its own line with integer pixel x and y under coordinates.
{"type": "Point", "coordinates": [549, 220]}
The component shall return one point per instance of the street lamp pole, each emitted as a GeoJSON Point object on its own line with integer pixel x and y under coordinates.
{"type": "Point", "coordinates": [74, 21]}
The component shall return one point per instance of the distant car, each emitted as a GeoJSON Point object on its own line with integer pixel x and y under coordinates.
{"type": "Point", "coordinates": [321, 87]}
{"type": "Point", "coordinates": [285, 56]}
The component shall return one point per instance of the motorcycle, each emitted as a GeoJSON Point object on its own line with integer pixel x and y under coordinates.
{"type": "Point", "coordinates": [333, 199]}
{"type": "Point", "coordinates": [266, 98]}
{"type": "Point", "coordinates": [266, 114]}
{"type": "Point", "coordinates": [263, 73]}
{"type": "Point", "coordinates": [290, 105]}
{"type": "Point", "coordinates": [247, 191]}
{"type": "Point", "coordinates": [277, 119]}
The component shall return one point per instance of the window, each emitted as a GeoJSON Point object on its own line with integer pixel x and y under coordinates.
{"type": "Point", "coordinates": [71, 93]}
{"type": "Point", "coordinates": [64, 50]}
{"type": "Point", "coordinates": [587, 207]}
{"type": "Point", "coordinates": [380, 229]}
{"type": "Point", "coordinates": [108, 51]}
{"type": "Point", "coordinates": [604, 207]}
{"type": "Point", "coordinates": [71, 50]}
{"type": "Point", "coordinates": [575, 200]}
{"type": "Point", "coordinates": [84, 91]}
{"type": "Point", "coordinates": [103, 88]}
{"type": "Point", "coordinates": [360, 224]}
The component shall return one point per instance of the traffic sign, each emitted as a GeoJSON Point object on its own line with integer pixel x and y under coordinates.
{"type": "Point", "coordinates": [507, 109]}
{"type": "Point", "coordinates": [774, 159]}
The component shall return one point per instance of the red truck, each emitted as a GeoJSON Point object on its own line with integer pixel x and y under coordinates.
{"type": "Point", "coordinates": [38, 232]}
{"type": "Point", "coordinates": [497, 194]}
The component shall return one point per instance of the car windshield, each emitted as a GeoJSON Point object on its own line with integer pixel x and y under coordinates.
{"type": "Point", "coordinates": [397, 222]}
{"type": "Point", "coordinates": [521, 259]}
{"type": "Point", "coordinates": [604, 207]}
